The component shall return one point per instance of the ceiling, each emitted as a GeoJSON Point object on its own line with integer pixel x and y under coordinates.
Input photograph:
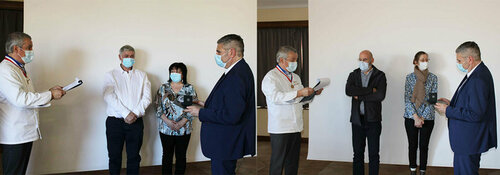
{"type": "Point", "coordinates": [270, 4]}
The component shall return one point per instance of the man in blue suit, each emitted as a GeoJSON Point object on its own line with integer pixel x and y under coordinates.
{"type": "Point", "coordinates": [228, 115]}
{"type": "Point", "coordinates": [471, 112]}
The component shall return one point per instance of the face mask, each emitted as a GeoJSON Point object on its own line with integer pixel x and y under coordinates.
{"type": "Point", "coordinates": [422, 66]}
{"type": "Point", "coordinates": [292, 66]}
{"type": "Point", "coordinates": [461, 68]}
{"type": "Point", "coordinates": [128, 62]}
{"type": "Point", "coordinates": [363, 66]}
{"type": "Point", "coordinates": [28, 56]}
{"type": "Point", "coordinates": [218, 60]}
{"type": "Point", "coordinates": [175, 77]}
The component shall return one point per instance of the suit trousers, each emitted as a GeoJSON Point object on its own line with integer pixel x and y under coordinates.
{"type": "Point", "coordinates": [466, 164]}
{"type": "Point", "coordinates": [285, 153]}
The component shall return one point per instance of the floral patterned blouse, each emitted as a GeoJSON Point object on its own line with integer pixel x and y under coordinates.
{"type": "Point", "coordinates": [425, 110]}
{"type": "Point", "coordinates": [170, 104]}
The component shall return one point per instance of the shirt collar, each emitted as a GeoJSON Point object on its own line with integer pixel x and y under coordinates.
{"type": "Point", "coordinates": [230, 67]}
{"type": "Point", "coordinates": [123, 71]}
{"type": "Point", "coordinates": [468, 74]}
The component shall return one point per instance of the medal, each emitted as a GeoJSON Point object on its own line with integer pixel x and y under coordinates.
{"type": "Point", "coordinates": [291, 86]}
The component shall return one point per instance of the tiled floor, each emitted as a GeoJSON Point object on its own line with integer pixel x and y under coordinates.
{"type": "Point", "coordinates": [260, 165]}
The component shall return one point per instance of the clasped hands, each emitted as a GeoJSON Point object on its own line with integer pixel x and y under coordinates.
{"type": "Point", "coordinates": [173, 124]}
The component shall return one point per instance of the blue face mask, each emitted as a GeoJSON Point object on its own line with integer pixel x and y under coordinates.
{"type": "Point", "coordinates": [461, 68]}
{"type": "Point", "coordinates": [175, 77]}
{"type": "Point", "coordinates": [128, 62]}
{"type": "Point", "coordinates": [218, 60]}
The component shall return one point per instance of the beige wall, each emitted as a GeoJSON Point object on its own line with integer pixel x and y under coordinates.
{"type": "Point", "coordinates": [282, 14]}
{"type": "Point", "coordinates": [262, 123]}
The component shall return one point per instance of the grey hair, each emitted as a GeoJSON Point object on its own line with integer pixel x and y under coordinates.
{"type": "Point", "coordinates": [126, 48]}
{"type": "Point", "coordinates": [283, 52]}
{"type": "Point", "coordinates": [15, 39]}
{"type": "Point", "coordinates": [233, 41]}
{"type": "Point", "coordinates": [469, 48]}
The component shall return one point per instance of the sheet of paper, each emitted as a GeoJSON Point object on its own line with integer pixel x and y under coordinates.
{"type": "Point", "coordinates": [74, 84]}
{"type": "Point", "coordinates": [322, 82]}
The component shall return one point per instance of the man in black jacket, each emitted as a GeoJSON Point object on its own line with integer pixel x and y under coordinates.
{"type": "Point", "coordinates": [367, 86]}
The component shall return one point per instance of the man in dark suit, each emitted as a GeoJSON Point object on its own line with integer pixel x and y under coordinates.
{"type": "Point", "coordinates": [471, 112]}
{"type": "Point", "coordinates": [228, 115]}
{"type": "Point", "coordinates": [367, 86]}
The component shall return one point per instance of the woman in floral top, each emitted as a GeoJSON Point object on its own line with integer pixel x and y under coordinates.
{"type": "Point", "coordinates": [419, 114]}
{"type": "Point", "coordinates": [175, 126]}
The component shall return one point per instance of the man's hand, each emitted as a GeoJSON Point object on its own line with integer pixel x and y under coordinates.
{"type": "Point", "coordinates": [199, 102]}
{"type": "Point", "coordinates": [441, 108]}
{"type": "Point", "coordinates": [445, 100]}
{"type": "Point", "coordinates": [131, 118]}
{"type": "Point", "coordinates": [319, 91]}
{"type": "Point", "coordinates": [356, 97]}
{"type": "Point", "coordinates": [57, 92]}
{"type": "Point", "coordinates": [305, 92]}
{"type": "Point", "coordinates": [193, 110]}
{"type": "Point", "coordinates": [374, 90]}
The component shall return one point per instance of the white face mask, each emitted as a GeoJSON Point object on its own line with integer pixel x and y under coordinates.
{"type": "Point", "coordinates": [28, 56]}
{"type": "Point", "coordinates": [422, 66]}
{"type": "Point", "coordinates": [292, 66]}
{"type": "Point", "coordinates": [363, 66]}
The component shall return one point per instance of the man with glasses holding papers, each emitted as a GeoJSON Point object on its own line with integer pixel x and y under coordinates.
{"type": "Point", "coordinates": [19, 125]}
{"type": "Point", "coordinates": [284, 93]}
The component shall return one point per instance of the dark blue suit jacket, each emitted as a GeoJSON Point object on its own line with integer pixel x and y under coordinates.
{"type": "Point", "coordinates": [228, 118]}
{"type": "Point", "coordinates": [471, 115]}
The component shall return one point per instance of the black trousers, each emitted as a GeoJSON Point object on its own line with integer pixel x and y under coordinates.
{"type": "Point", "coordinates": [119, 133]}
{"type": "Point", "coordinates": [15, 158]}
{"type": "Point", "coordinates": [367, 131]}
{"type": "Point", "coordinates": [418, 137]}
{"type": "Point", "coordinates": [285, 153]}
{"type": "Point", "coordinates": [179, 144]}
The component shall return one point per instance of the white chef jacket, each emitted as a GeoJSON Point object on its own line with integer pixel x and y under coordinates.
{"type": "Point", "coordinates": [126, 92]}
{"type": "Point", "coordinates": [284, 111]}
{"type": "Point", "coordinates": [18, 105]}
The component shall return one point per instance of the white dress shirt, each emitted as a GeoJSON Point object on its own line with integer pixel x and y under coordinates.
{"type": "Point", "coordinates": [18, 105]}
{"type": "Point", "coordinates": [126, 92]}
{"type": "Point", "coordinates": [284, 110]}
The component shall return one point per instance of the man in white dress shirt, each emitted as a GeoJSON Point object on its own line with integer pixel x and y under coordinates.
{"type": "Point", "coordinates": [284, 91]}
{"type": "Point", "coordinates": [127, 92]}
{"type": "Point", "coordinates": [19, 125]}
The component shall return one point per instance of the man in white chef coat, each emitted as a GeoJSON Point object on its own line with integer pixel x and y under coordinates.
{"type": "Point", "coordinates": [19, 125]}
{"type": "Point", "coordinates": [284, 91]}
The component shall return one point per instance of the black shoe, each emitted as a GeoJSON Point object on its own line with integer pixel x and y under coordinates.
{"type": "Point", "coordinates": [413, 172]}
{"type": "Point", "coordinates": [422, 172]}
